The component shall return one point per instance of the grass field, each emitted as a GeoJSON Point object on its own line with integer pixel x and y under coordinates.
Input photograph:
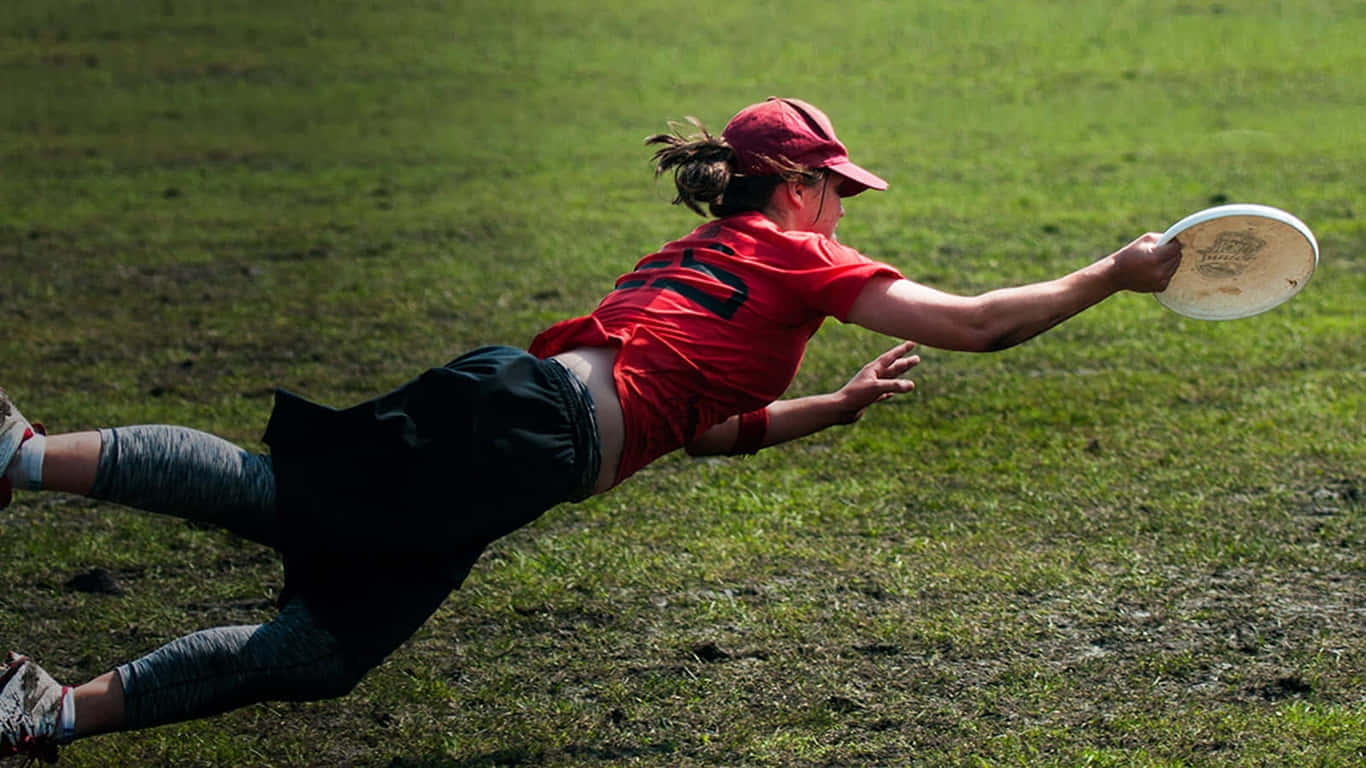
{"type": "Point", "coordinates": [1137, 540]}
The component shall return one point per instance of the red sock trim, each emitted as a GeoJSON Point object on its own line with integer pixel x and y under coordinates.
{"type": "Point", "coordinates": [65, 734]}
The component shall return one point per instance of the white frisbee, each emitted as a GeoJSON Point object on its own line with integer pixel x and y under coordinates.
{"type": "Point", "coordinates": [1237, 261]}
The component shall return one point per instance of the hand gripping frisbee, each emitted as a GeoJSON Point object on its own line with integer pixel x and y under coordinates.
{"type": "Point", "coordinates": [1238, 261]}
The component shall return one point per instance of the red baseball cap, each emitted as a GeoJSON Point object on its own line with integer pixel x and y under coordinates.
{"type": "Point", "coordinates": [799, 132]}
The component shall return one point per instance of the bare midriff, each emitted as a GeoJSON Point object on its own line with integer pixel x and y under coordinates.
{"type": "Point", "coordinates": [593, 366]}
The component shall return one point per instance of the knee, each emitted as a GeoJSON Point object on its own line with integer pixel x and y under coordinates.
{"type": "Point", "coordinates": [305, 661]}
{"type": "Point", "coordinates": [335, 685]}
{"type": "Point", "coordinates": [331, 680]}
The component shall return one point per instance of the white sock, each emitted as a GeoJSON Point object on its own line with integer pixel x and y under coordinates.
{"type": "Point", "coordinates": [26, 468]}
{"type": "Point", "coordinates": [67, 728]}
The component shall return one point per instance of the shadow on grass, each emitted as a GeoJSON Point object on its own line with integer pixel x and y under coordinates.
{"type": "Point", "coordinates": [526, 756]}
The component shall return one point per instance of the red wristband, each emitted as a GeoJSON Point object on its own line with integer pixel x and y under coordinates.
{"type": "Point", "coordinates": [753, 427]}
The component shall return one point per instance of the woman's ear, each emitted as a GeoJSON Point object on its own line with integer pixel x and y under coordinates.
{"type": "Point", "coordinates": [793, 193]}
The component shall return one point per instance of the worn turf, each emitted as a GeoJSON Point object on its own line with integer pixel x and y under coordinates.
{"type": "Point", "coordinates": [1136, 540]}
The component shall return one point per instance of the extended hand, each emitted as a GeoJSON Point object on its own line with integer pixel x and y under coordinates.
{"type": "Point", "coordinates": [877, 381]}
{"type": "Point", "coordinates": [1144, 266]}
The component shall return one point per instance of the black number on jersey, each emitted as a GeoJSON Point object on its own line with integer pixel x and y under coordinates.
{"type": "Point", "coordinates": [722, 307]}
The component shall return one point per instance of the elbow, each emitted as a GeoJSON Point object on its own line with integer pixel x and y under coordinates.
{"type": "Point", "coordinates": [705, 446]}
{"type": "Point", "coordinates": [998, 339]}
{"type": "Point", "coordinates": [999, 342]}
{"type": "Point", "coordinates": [989, 331]}
{"type": "Point", "coordinates": [982, 342]}
{"type": "Point", "coordinates": [986, 334]}
{"type": "Point", "coordinates": [972, 340]}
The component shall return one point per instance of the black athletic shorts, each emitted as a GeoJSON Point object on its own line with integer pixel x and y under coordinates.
{"type": "Point", "coordinates": [414, 484]}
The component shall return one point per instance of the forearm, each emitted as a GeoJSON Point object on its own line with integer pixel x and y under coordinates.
{"type": "Point", "coordinates": [987, 322]}
{"type": "Point", "coordinates": [1010, 316]}
{"type": "Point", "coordinates": [802, 416]}
{"type": "Point", "coordinates": [787, 420]}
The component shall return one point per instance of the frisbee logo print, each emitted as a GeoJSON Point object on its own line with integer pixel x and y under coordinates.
{"type": "Point", "coordinates": [1229, 255]}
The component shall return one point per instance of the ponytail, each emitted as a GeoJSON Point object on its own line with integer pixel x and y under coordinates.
{"type": "Point", "coordinates": [701, 163]}
{"type": "Point", "coordinates": [704, 173]}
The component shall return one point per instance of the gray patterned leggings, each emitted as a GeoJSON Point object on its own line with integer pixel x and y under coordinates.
{"type": "Point", "coordinates": [197, 476]}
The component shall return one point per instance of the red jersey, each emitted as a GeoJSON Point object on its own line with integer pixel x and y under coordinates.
{"type": "Point", "coordinates": [713, 325]}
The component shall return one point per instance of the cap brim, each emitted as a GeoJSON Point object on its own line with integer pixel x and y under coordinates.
{"type": "Point", "coordinates": [856, 179]}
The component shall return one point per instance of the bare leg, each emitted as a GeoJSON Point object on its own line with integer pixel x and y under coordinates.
{"type": "Point", "coordinates": [69, 465]}
{"type": "Point", "coordinates": [70, 462]}
{"type": "Point", "coordinates": [290, 658]}
{"type": "Point", "coordinates": [99, 705]}
{"type": "Point", "coordinates": [169, 470]}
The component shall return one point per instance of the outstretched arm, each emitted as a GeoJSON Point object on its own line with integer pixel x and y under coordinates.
{"type": "Point", "coordinates": [1006, 317]}
{"type": "Point", "coordinates": [801, 416]}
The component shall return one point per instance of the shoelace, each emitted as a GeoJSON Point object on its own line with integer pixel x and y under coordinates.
{"type": "Point", "coordinates": [19, 735]}
{"type": "Point", "coordinates": [33, 746]}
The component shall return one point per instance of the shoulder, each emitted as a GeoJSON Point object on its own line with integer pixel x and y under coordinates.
{"type": "Point", "coordinates": [812, 250]}
{"type": "Point", "coordinates": [762, 233]}
{"type": "Point", "coordinates": [755, 237]}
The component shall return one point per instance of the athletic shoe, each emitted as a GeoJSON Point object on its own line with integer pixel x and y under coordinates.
{"type": "Point", "coordinates": [14, 430]}
{"type": "Point", "coordinates": [30, 710]}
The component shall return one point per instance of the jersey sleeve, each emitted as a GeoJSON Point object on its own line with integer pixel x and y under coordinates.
{"type": "Point", "coordinates": [584, 331]}
{"type": "Point", "coordinates": [833, 275]}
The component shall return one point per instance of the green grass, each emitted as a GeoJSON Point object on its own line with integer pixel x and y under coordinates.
{"type": "Point", "coordinates": [1136, 540]}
